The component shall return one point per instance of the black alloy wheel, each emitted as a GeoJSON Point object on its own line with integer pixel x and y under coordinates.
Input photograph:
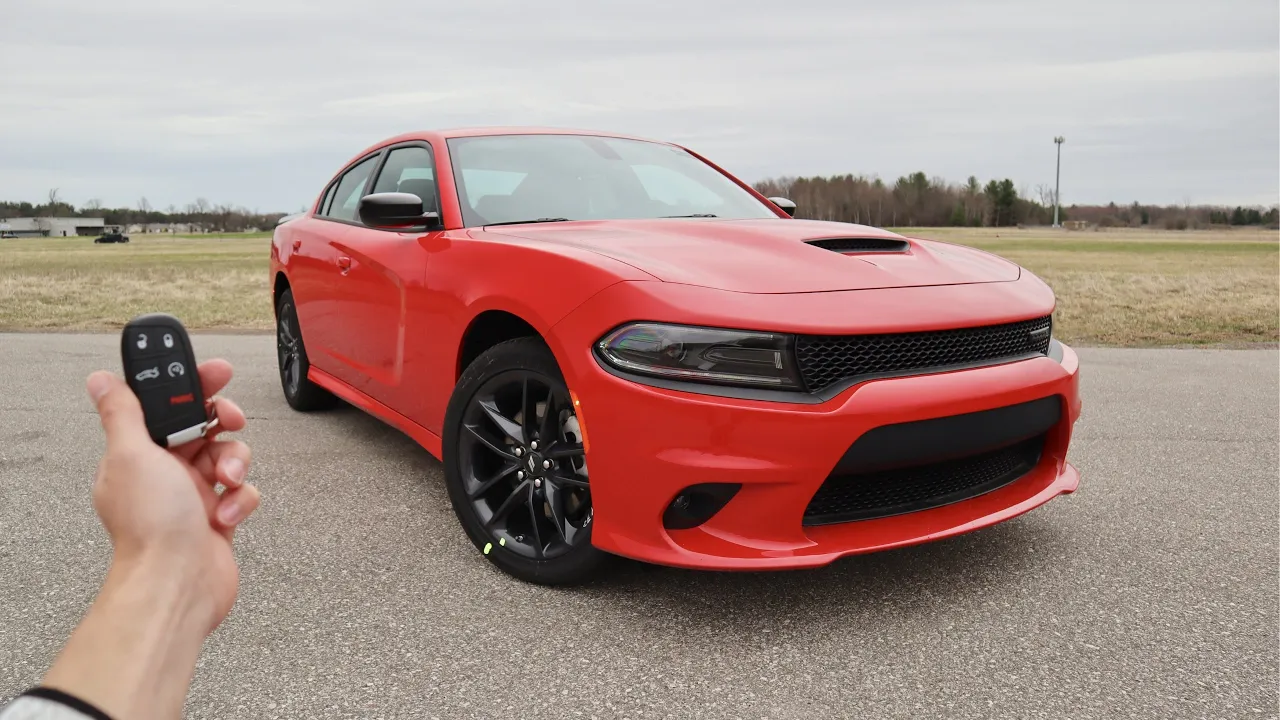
{"type": "Point", "coordinates": [516, 466]}
{"type": "Point", "coordinates": [299, 392]}
{"type": "Point", "coordinates": [290, 349]}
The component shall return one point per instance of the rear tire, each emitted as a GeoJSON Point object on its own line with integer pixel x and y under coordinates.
{"type": "Point", "coordinates": [515, 467]}
{"type": "Point", "coordinates": [301, 394]}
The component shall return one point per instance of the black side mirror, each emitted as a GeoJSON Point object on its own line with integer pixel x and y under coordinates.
{"type": "Point", "coordinates": [395, 210]}
{"type": "Point", "coordinates": [785, 205]}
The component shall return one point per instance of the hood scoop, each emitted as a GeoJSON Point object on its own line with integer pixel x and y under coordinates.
{"type": "Point", "coordinates": [860, 245]}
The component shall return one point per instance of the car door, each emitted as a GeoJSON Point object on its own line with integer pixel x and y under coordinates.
{"type": "Point", "coordinates": [313, 265]}
{"type": "Point", "coordinates": [380, 281]}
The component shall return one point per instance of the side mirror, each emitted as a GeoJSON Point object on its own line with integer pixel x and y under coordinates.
{"type": "Point", "coordinates": [785, 205]}
{"type": "Point", "coordinates": [392, 210]}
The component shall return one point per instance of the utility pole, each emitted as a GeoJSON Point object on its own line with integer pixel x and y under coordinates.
{"type": "Point", "coordinates": [1057, 180]}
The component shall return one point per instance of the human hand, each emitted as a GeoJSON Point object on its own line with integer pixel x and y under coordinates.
{"type": "Point", "coordinates": [160, 507]}
{"type": "Point", "coordinates": [173, 577]}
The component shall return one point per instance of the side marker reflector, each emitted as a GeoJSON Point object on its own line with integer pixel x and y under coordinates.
{"type": "Point", "coordinates": [582, 421]}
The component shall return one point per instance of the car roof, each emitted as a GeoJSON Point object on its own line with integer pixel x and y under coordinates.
{"type": "Point", "coordinates": [461, 132]}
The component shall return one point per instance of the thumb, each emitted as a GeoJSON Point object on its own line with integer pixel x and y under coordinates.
{"type": "Point", "coordinates": [119, 409]}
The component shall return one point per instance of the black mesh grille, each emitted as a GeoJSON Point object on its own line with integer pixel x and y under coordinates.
{"type": "Point", "coordinates": [848, 245]}
{"type": "Point", "coordinates": [829, 359]}
{"type": "Point", "coordinates": [843, 498]}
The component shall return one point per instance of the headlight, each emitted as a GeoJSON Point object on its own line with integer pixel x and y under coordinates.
{"type": "Point", "coordinates": [709, 355]}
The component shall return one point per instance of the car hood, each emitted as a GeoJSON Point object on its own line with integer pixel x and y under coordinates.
{"type": "Point", "coordinates": [769, 256]}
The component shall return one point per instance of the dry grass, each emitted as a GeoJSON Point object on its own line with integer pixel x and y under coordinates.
{"type": "Point", "coordinates": [1120, 287]}
{"type": "Point", "coordinates": [1148, 287]}
{"type": "Point", "coordinates": [73, 284]}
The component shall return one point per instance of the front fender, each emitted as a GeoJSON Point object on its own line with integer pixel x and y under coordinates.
{"type": "Point", "coordinates": [473, 273]}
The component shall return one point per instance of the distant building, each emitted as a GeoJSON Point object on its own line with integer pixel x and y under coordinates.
{"type": "Point", "coordinates": [178, 228]}
{"type": "Point", "coordinates": [52, 227]}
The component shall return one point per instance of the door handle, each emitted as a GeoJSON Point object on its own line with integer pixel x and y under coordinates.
{"type": "Point", "coordinates": [297, 244]}
{"type": "Point", "coordinates": [344, 264]}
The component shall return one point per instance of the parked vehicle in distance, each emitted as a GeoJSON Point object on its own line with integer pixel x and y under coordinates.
{"type": "Point", "coordinates": [748, 390]}
{"type": "Point", "coordinates": [111, 238]}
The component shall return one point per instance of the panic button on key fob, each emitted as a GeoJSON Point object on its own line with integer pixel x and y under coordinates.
{"type": "Point", "coordinates": [160, 367]}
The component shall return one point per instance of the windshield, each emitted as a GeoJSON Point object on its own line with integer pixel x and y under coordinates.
{"type": "Point", "coordinates": [514, 178]}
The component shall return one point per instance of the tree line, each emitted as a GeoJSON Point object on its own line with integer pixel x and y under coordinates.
{"type": "Point", "coordinates": [919, 200]}
{"type": "Point", "coordinates": [201, 215]}
{"type": "Point", "coordinates": [912, 200]}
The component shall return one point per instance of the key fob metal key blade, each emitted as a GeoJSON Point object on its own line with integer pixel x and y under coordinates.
{"type": "Point", "coordinates": [160, 368]}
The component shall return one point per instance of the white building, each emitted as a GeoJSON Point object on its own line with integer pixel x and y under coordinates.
{"type": "Point", "coordinates": [175, 228]}
{"type": "Point", "coordinates": [51, 227]}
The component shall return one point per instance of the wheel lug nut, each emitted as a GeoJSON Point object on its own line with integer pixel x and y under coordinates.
{"type": "Point", "coordinates": [534, 445]}
{"type": "Point", "coordinates": [519, 451]}
{"type": "Point", "coordinates": [519, 474]}
{"type": "Point", "coordinates": [546, 464]}
{"type": "Point", "coordinates": [537, 483]}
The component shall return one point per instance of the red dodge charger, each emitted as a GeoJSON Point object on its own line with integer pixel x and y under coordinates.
{"type": "Point", "coordinates": [617, 348]}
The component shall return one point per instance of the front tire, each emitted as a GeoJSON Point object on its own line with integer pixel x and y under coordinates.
{"type": "Point", "coordinates": [301, 394]}
{"type": "Point", "coordinates": [515, 466]}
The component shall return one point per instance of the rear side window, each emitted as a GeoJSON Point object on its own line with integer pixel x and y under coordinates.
{"type": "Point", "coordinates": [410, 170]}
{"type": "Point", "coordinates": [324, 201]}
{"type": "Point", "coordinates": [346, 196]}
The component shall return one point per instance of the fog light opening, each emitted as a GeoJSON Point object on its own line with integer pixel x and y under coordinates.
{"type": "Point", "coordinates": [696, 504]}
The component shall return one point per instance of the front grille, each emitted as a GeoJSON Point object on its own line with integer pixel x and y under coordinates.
{"type": "Point", "coordinates": [826, 360]}
{"type": "Point", "coordinates": [844, 498]}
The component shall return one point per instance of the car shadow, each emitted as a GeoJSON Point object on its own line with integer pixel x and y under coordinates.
{"type": "Point", "coordinates": [870, 588]}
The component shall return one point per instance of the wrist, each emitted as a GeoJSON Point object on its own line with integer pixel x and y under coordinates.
{"type": "Point", "coordinates": [134, 653]}
{"type": "Point", "coordinates": [166, 583]}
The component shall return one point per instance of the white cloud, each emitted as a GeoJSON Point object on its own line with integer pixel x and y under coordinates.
{"type": "Point", "coordinates": [258, 102]}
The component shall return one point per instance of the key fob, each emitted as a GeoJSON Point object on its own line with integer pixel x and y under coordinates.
{"type": "Point", "coordinates": [160, 367]}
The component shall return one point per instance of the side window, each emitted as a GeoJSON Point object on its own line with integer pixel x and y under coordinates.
{"type": "Point", "coordinates": [346, 196]}
{"type": "Point", "coordinates": [323, 207]}
{"type": "Point", "coordinates": [410, 170]}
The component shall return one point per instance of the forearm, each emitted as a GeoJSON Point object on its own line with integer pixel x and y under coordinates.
{"type": "Point", "coordinates": [134, 653]}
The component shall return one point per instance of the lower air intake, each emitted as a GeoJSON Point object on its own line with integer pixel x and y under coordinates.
{"type": "Point", "coordinates": [845, 498]}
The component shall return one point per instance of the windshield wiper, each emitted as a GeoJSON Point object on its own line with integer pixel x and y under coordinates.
{"type": "Point", "coordinates": [522, 222]}
{"type": "Point", "coordinates": [691, 216]}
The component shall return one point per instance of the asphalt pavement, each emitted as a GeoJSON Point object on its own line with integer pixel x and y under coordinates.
{"type": "Point", "coordinates": [1151, 592]}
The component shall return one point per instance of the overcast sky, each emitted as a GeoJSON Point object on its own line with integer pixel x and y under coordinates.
{"type": "Point", "coordinates": [257, 103]}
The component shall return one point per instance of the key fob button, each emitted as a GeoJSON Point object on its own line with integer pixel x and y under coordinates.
{"type": "Point", "coordinates": [175, 367]}
{"type": "Point", "coordinates": [148, 373]}
{"type": "Point", "coordinates": [148, 341]}
{"type": "Point", "coordinates": [167, 400]}
{"type": "Point", "coordinates": [155, 401]}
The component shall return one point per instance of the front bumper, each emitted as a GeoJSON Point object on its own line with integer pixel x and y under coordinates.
{"type": "Point", "coordinates": [647, 444]}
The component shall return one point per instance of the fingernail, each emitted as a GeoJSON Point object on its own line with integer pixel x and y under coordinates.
{"type": "Point", "coordinates": [98, 385]}
{"type": "Point", "coordinates": [233, 468]}
{"type": "Point", "coordinates": [230, 513]}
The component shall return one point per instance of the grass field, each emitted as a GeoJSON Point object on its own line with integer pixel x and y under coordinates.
{"type": "Point", "coordinates": [1120, 287]}
{"type": "Point", "coordinates": [1147, 288]}
{"type": "Point", "coordinates": [73, 284]}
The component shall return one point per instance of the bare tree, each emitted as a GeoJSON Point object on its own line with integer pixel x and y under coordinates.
{"type": "Point", "coordinates": [223, 213]}
{"type": "Point", "coordinates": [93, 204]}
{"type": "Point", "coordinates": [53, 196]}
{"type": "Point", "coordinates": [143, 205]}
{"type": "Point", "coordinates": [1024, 190]}
{"type": "Point", "coordinates": [1045, 193]}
